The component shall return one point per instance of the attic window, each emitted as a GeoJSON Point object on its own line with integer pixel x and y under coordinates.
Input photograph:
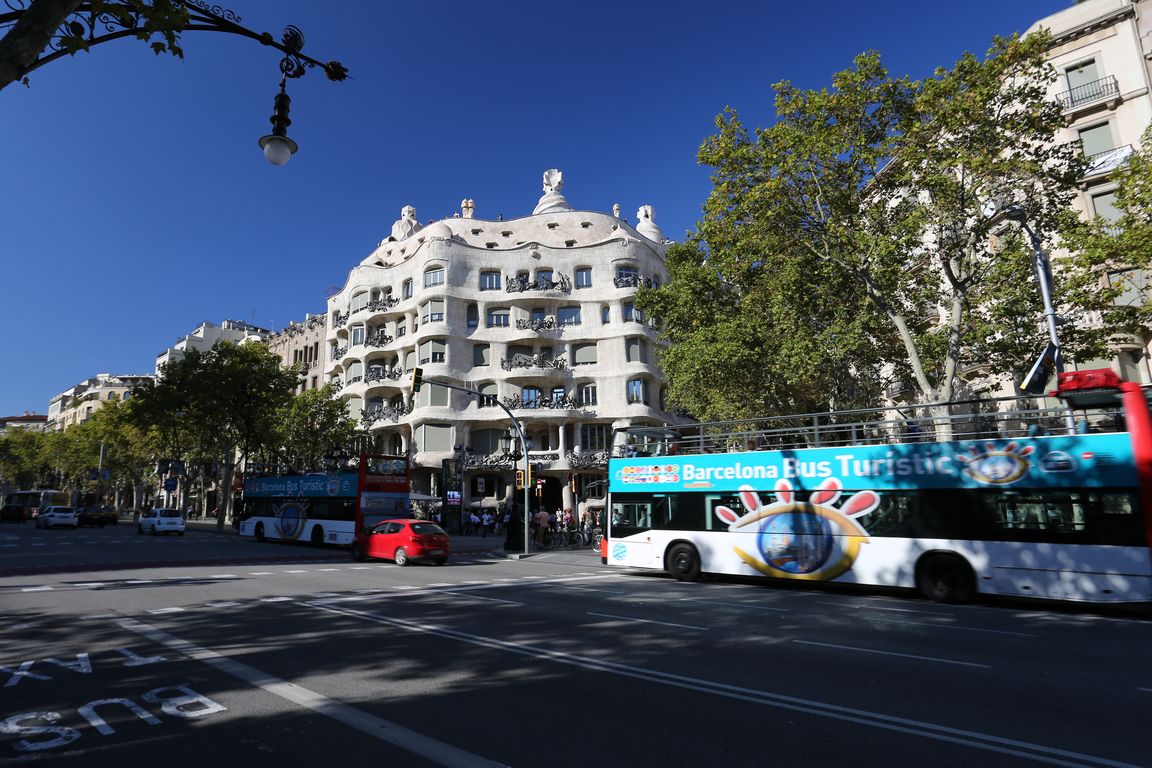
{"type": "Point", "coordinates": [569, 243]}
{"type": "Point", "coordinates": [553, 225]}
{"type": "Point", "coordinates": [507, 233]}
{"type": "Point", "coordinates": [489, 245]}
{"type": "Point", "coordinates": [585, 224]}
{"type": "Point", "coordinates": [477, 231]}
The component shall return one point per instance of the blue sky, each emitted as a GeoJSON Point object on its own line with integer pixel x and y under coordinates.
{"type": "Point", "coordinates": [135, 203]}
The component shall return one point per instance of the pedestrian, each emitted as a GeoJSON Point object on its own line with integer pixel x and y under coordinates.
{"type": "Point", "coordinates": [486, 523]}
{"type": "Point", "coordinates": [473, 524]}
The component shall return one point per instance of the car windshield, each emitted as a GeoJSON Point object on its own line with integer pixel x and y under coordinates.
{"type": "Point", "coordinates": [169, 513]}
{"type": "Point", "coordinates": [427, 528]}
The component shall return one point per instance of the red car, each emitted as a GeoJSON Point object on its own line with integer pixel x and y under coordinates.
{"type": "Point", "coordinates": [403, 541]}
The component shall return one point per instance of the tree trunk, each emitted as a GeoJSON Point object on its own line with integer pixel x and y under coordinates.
{"type": "Point", "coordinates": [224, 508]}
{"type": "Point", "coordinates": [30, 35]}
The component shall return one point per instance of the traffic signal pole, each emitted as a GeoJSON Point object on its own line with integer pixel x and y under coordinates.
{"type": "Point", "coordinates": [417, 380]}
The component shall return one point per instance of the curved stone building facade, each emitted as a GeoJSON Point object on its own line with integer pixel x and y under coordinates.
{"type": "Point", "coordinates": [537, 313]}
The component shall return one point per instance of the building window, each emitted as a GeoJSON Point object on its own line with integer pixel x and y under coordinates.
{"type": "Point", "coordinates": [401, 329]}
{"type": "Point", "coordinates": [498, 318]}
{"type": "Point", "coordinates": [473, 316]}
{"type": "Point", "coordinates": [627, 272]}
{"type": "Point", "coordinates": [360, 301]}
{"type": "Point", "coordinates": [1132, 284]}
{"type": "Point", "coordinates": [631, 313]}
{"type": "Point", "coordinates": [1096, 139]}
{"type": "Point", "coordinates": [584, 354]}
{"type": "Point", "coordinates": [543, 276]}
{"type": "Point", "coordinates": [357, 335]}
{"type": "Point", "coordinates": [634, 351]}
{"type": "Point", "coordinates": [481, 355]}
{"type": "Point", "coordinates": [637, 392]}
{"type": "Point", "coordinates": [434, 437]}
{"type": "Point", "coordinates": [531, 397]}
{"type": "Point", "coordinates": [605, 314]}
{"type": "Point", "coordinates": [432, 351]}
{"type": "Point", "coordinates": [1104, 207]}
{"type": "Point", "coordinates": [584, 277]}
{"type": "Point", "coordinates": [536, 315]}
{"type": "Point", "coordinates": [586, 394]}
{"type": "Point", "coordinates": [433, 311]}
{"type": "Point", "coordinates": [489, 281]}
{"type": "Point", "coordinates": [594, 437]}
{"type": "Point", "coordinates": [434, 277]}
{"type": "Point", "coordinates": [406, 289]}
{"type": "Point", "coordinates": [568, 316]}
{"type": "Point", "coordinates": [487, 400]}
{"type": "Point", "coordinates": [1081, 78]}
{"type": "Point", "coordinates": [558, 393]}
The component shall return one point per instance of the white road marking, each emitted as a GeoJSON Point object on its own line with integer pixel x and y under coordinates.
{"type": "Point", "coordinates": [645, 621]}
{"type": "Point", "coordinates": [329, 569]}
{"type": "Point", "coordinates": [260, 573]}
{"type": "Point", "coordinates": [167, 610]}
{"type": "Point", "coordinates": [742, 606]}
{"type": "Point", "coordinates": [223, 576]}
{"type": "Point", "coordinates": [471, 596]}
{"type": "Point", "coordinates": [295, 571]}
{"type": "Point", "coordinates": [138, 581]}
{"type": "Point", "coordinates": [947, 626]}
{"type": "Point", "coordinates": [275, 599]}
{"type": "Point", "coordinates": [90, 584]}
{"type": "Point", "coordinates": [1038, 753]}
{"type": "Point", "coordinates": [222, 604]}
{"type": "Point", "coordinates": [36, 589]}
{"type": "Point", "coordinates": [892, 653]}
{"type": "Point", "coordinates": [360, 568]}
{"type": "Point", "coordinates": [436, 751]}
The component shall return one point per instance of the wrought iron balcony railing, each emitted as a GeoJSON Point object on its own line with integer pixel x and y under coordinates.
{"type": "Point", "coordinates": [381, 374]}
{"type": "Point", "coordinates": [1089, 92]}
{"type": "Point", "coordinates": [377, 339]}
{"type": "Point", "coordinates": [587, 459]}
{"type": "Point", "coordinates": [386, 413]}
{"type": "Point", "coordinates": [533, 361]}
{"type": "Point", "coordinates": [339, 352]}
{"type": "Point", "coordinates": [1108, 160]}
{"type": "Point", "coordinates": [546, 324]}
{"type": "Point", "coordinates": [633, 281]}
{"type": "Point", "coordinates": [376, 305]}
{"type": "Point", "coordinates": [340, 320]}
{"type": "Point", "coordinates": [521, 283]}
{"type": "Point", "coordinates": [562, 401]}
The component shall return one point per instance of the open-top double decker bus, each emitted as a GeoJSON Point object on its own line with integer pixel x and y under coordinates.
{"type": "Point", "coordinates": [1008, 503]}
{"type": "Point", "coordinates": [326, 508]}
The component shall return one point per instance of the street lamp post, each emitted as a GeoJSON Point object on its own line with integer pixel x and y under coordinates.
{"type": "Point", "coordinates": [1043, 268]}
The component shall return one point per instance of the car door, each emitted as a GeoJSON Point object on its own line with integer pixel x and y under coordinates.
{"type": "Point", "coordinates": [387, 539]}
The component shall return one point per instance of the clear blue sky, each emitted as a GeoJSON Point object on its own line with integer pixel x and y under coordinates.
{"type": "Point", "coordinates": [135, 203]}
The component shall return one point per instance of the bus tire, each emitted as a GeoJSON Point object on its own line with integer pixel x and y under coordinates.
{"type": "Point", "coordinates": [440, 560]}
{"type": "Point", "coordinates": [684, 562]}
{"type": "Point", "coordinates": [357, 553]}
{"type": "Point", "coordinates": [259, 531]}
{"type": "Point", "coordinates": [945, 578]}
{"type": "Point", "coordinates": [317, 536]}
{"type": "Point", "coordinates": [401, 557]}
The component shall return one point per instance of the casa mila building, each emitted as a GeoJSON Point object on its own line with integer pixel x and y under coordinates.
{"type": "Point", "coordinates": [535, 313]}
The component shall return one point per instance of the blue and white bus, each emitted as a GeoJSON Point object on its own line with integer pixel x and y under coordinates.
{"type": "Point", "coordinates": [1062, 516]}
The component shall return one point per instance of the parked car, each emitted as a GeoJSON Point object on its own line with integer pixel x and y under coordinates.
{"type": "Point", "coordinates": [12, 513]}
{"type": "Point", "coordinates": [403, 541]}
{"type": "Point", "coordinates": [110, 515]}
{"type": "Point", "coordinates": [56, 517]}
{"type": "Point", "coordinates": [93, 516]}
{"type": "Point", "coordinates": [156, 521]}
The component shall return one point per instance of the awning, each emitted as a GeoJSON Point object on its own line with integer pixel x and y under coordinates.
{"type": "Point", "coordinates": [422, 497]}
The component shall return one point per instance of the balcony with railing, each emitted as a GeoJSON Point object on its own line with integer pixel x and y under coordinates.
{"type": "Point", "coordinates": [340, 320]}
{"type": "Point", "coordinates": [633, 281]}
{"type": "Point", "coordinates": [1089, 93]}
{"type": "Point", "coordinates": [520, 360]}
{"type": "Point", "coordinates": [521, 283]}
{"type": "Point", "coordinates": [1102, 163]}
{"type": "Point", "coordinates": [390, 413]}
{"type": "Point", "coordinates": [382, 374]}
{"type": "Point", "coordinates": [538, 324]}
{"type": "Point", "coordinates": [377, 339]}
{"type": "Point", "coordinates": [556, 403]}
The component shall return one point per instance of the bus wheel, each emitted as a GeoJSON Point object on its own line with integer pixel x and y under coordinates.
{"type": "Point", "coordinates": [259, 531]}
{"type": "Point", "coordinates": [317, 536]}
{"type": "Point", "coordinates": [945, 579]}
{"type": "Point", "coordinates": [401, 556]}
{"type": "Point", "coordinates": [357, 552]}
{"type": "Point", "coordinates": [684, 563]}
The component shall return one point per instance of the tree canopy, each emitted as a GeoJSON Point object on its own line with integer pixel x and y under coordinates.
{"type": "Point", "coordinates": [858, 241]}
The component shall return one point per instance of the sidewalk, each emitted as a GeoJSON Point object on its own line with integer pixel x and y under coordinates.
{"type": "Point", "coordinates": [471, 544]}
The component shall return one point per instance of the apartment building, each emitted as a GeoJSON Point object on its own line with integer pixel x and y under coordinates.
{"type": "Point", "coordinates": [299, 345]}
{"type": "Point", "coordinates": [76, 404]}
{"type": "Point", "coordinates": [206, 335]}
{"type": "Point", "coordinates": [535, 313]}
{"type": "Point", "coordinates": [1101, 51]}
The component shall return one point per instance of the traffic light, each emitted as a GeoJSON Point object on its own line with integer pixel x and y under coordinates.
{"type": "Point", "coordinates": [417, 379]}
{"type": "Point", "coordinates": [519, 479]}
{"type": "Point", "coordinates": [572, 481]}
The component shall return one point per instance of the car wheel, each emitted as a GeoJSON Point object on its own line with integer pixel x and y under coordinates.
{"type": "Point", "coordinates": [440, 560]}
{"type": "Point", "coordinates": [155, 532]}
{"type": "Point", "coordinates": [259, 531]}
{"type": "Point", "coordinates": [401, 557]}
{"type": "Point", "coordinates": [139, 530]}
{"type": "Point", "coordinates": [684, 563]}
{"type": "Point", "coordinates": [357, 553]}
{"type": "Point", "coordinates": [179, 533]}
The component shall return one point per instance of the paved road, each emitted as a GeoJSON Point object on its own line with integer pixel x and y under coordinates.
{"type": "Point", "coordinates": [555, 661]}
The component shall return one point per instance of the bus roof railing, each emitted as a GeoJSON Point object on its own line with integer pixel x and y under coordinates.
{"type": "Point", "coordinates": [982, 419]}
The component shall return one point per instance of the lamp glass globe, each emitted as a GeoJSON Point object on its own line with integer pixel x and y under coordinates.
{"type": "Point", "coordinates": [277, 151]}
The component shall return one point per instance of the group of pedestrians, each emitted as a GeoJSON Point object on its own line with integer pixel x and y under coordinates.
{"type": "Point", "coordinates": [546, 526]}
{"type": "Point", "coordinates": [485, 523]}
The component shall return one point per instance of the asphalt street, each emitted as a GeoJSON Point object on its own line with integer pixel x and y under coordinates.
{"type": "Point", "coordinates": [259, 657]}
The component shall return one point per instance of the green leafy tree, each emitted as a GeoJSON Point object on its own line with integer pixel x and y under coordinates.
{"type": "Point", "coordinates": [25, 461]}
{"type": "Point", "coordinates": [874, 207]}
{"type": "Point", "coordinates": [209, 407]}
{"type": "Point", "coordinates": [313, 426]}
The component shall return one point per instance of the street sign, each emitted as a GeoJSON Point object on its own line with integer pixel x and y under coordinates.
{"type": "Point", "coordinates": [1041, 372]}
{"type": "Point", "coordinates": [170, 484]}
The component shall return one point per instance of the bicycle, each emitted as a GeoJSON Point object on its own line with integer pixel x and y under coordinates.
{"type": "Point", "coordinates": [597, 537]}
